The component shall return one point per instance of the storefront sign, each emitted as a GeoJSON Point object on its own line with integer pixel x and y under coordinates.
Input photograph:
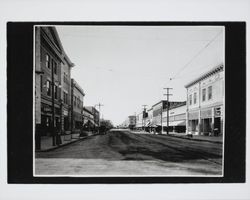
{"type": "Point", "coordinates": [193, 115]}
{"type": "Point", "coordinates": [46, 108]}
{"type": "Point", "coordinates": [206, 113]}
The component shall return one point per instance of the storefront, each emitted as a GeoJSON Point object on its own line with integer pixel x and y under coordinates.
{"type": "Point", "coordinates": [46, 119]}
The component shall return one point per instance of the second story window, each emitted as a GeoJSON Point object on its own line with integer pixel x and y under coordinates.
{"type": "Point", "coordinates": [47, 61]}
{"type": "Point", "coordinates": [65, 98]}
{"type": "Point", "coordinates": [55, 67]}
{"type": "Point", "coordinates": [65, 78]}
{"type": "Point", "coordinates": [204, 94]}
{"type": "Point", "coordinates": [209, 92]}
{"type": "Point", "coordinates": [190, 99]}
{"type": "Point", "coordinates": [74, 100]}
{"type": "Point", "coordinates": [48, 88]}
{"type": "Point", "coordinates": [195, 98]}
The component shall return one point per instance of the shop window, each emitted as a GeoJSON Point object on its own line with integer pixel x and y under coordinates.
{"type": "Point", "coordinates": [209, 92]}
{"type": "Point", "coordinates": [204, 94]}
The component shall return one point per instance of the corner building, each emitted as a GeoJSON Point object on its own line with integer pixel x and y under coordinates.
{"type": "Point", "coordinates": [51, 105]}
{"type": "Point", "coordinates": [205, 103]}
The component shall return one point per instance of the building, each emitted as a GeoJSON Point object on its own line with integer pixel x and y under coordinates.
{"type": "Point", "coordinates": [149, 121]}
{"type": "Point", "coordinates": [77, 95]}
{"type": "Point", "coordinates": [139, 121]}
{"type": "Point", "coordinates": [51, 111]}
{"type": "Point", "coordinates": [158, 111]}
{"type": "Point", "coordinates": [177, 117]}
{"type": "Point", "coordinates": [88, 119]}
{"type": "Point", "coordinates": [66, 94]}
{"type": "Point", "coordinates": [205, 103]}
{"type": "Point", "coordinates": [131, 121]}
{"type": "Point", "coordinates": [95, 113]}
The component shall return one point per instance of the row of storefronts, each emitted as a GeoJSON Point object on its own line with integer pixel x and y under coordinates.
{"type": "Point", "coordinates": [200, 114]}
{"type": "Point", "coordinates": [58, 97]}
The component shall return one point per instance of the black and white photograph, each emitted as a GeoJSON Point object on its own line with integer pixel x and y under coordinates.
{"type": "Point", "coordinates": [129, 100]}
{"type": "Point", "coordinates": [124, 100]}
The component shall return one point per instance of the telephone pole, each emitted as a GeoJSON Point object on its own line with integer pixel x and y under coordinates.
{"type": "Point", "coordinates": [168, 94]}
{"type": "Point", "coordinates": [99, 105]}
{"type": "Point", "coordinates": [144, 108]}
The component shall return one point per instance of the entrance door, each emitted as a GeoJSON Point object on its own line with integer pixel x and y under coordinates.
{"type": "Point", "coordinates": [217, 128]}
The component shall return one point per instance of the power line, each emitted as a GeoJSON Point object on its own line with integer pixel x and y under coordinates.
{"type": "Point", "coordinates": [195, 56]}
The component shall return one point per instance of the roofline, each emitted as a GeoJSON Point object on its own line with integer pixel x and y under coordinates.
{"type": "Point", "coordinates": [77, 86]}
{"type": "Point", "coordinates": [61, 46]}
{"type": "Point", "coordinates": [205, 75]}
{"type": "Point", "coordinates": [184, 103]}
{"type": "Point", "coordinates": [159, 102]}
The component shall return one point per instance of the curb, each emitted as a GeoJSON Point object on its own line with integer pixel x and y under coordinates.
{"type": "Point", "coordinates": [65, 144]}
{"type": "Point", "coordinates": [218, 142]}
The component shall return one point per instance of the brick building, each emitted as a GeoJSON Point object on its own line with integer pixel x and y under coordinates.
{"type": "Point", "coordinates": [51, 112]}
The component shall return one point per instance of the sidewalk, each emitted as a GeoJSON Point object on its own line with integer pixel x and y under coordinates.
{"type": "Point", "coordinates": [215, 139]}
{"type": "Point", "coordinates": [47, 141]}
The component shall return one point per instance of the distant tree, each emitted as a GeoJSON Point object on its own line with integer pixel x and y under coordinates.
{"type": "Point", "coordinates": [105, 125]}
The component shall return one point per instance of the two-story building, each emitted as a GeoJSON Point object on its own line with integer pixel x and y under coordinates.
{"type": "Point", "coordinates": [131, 121]}
{"type": "Point", "coordinates": [95, 113]}
{"type": "Point", "coordinates": [160, 114]}
{"type": "Point", "coordinates": [88, 119]}
{"type": "Point", "coordinates": [177, 117]}
{"type": "Point", "coordinates": [77, 95]}
{"type": "Point", "coordinates": [205, 103]}
{"type": "Point", "coordinates": [139, 121]}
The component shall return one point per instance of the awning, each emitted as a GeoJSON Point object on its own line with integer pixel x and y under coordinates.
{"type": "Point", "coordinates": [178, 123]}
{"type": "Point", "coordinates": [89, 123]}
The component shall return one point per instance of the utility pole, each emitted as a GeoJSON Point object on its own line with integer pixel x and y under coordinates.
{"type": "Point", "coordinates": [144, 109]}
{"type": "Point", "coordinates": [135, 120]}
{"type": "Point", "coordinates": [99, 105]}
{"type": "Point", "coordinates": [168, 94]}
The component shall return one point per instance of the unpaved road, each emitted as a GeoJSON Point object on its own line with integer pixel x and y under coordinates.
{"type": "Point", "coordinates": [121, 152]}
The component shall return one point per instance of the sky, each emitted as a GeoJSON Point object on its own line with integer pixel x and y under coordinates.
{"type": "Point", "coordinates": [125, 67]}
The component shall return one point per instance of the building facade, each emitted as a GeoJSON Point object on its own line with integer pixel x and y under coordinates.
{"type": "Point", "coordinates": [139, 121]}
{"type": "Point", "coordinates": [205, 103]}
{"type": "Point", "coordinates": [88, 119]}
{"type": "Point", "coordinates": [177, 118]}
{"type": "Point", "coordinates": [95, 113]}
{"type": "Point", "coordinates": [130, 122]}
{"type": "Point", "coordinates": [160, 114]}
{"type": "Point", "coordinates": [66, 67]}
{"type": "Point", "coordinates": [50, 61]}
{"type": "Point", "coordinates": [77, 95]}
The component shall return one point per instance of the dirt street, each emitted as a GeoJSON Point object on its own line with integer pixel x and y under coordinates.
{"type": "Point", "coordinates": [121, 152]}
